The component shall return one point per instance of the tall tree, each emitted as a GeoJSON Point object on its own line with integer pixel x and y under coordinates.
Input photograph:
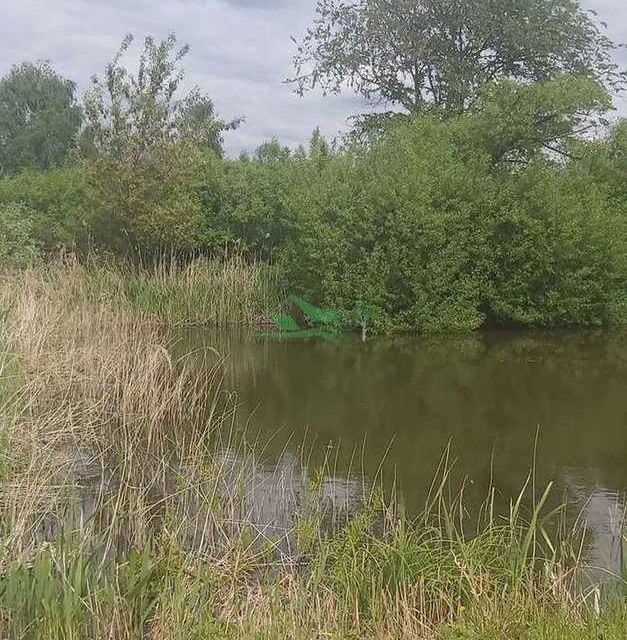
{"type": "Point", "coordinates": [132, 115]}
{"type": "Point", "coordinates": [416, 54]}
{"type": "Point", "coordinates": [143, 144]}
{"type": "Point", "coordinates": [39, 118]}
{"type": "Point", "coordinates": [197, 119]}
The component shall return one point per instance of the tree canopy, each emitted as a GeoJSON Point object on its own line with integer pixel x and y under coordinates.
{"type": "Point", "coordinates": [142, 145]}
{"type": "Point", "coordinates": [415, 54]}
{"type": "Point", "coordinates": [495, 209]}
{"type": "Point", "coordinates": [135, 114]}
{"type": "Point", "coordinates": [39, 118]}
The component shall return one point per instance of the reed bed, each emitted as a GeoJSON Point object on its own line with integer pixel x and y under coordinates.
{"type": "Point", "coordinates": [226, 290]}
{"type": "Point", "coordinates": [133, 505]}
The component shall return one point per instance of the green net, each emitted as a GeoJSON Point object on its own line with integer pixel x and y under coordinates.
{"type": "Point", "coordinates": [316, 315]}
{"type": "Point", "coordinates": [301, 319]}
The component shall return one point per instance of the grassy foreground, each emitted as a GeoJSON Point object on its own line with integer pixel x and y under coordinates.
{"type": "Point", "coordinates": [128, 504]}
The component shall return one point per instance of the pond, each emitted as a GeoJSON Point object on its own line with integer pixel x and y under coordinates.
{"type": "Point", "coordinates": [501, 403]}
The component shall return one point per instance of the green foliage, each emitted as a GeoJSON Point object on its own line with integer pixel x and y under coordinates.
{"type": "Point", "coordinates": [395, 227]}
{"type": "Point", "coordinates": [517, 121]}
{"type": "Point", "coordinates": [457, 587]}
{"type": "Point", "coordinates": [143, 149]}
{"type": "Point", "coordinates": [244, 201]}
{"type": "Point", "coordinates": [56, 204]}
{"type": "Point", "coordinates": [47, 597]}
{"type": "Point", "coordinates": [54, 595]}
{"type": "Point", "coordinates": [556, 252]}
{"type": "Point", "coordinates": [197, 120]}
{"type": "Point", "coordinates": [605, 161]}
{"type": "Point", "coordinates": [128, 115]}
{"type": "Point", "coordinates": [490, 208]}
{"type": "Point", "coordinates": [285, 322]}
{"type": "Point", "coordinates": [39, 118]}
{"type": "Point", "coordinates": [153, 205]}
{"type": "Point", "coordinates": [415, 54]}
{"type": "Point", "coordinates": [446, 225]}
{"type": "Point", "coordinates": [17, 247]}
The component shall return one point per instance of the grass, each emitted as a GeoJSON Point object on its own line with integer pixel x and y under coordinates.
{"type": "Point", "coordinates": [130, 502]}
{"type": "Point", "coordinates": [218, 292]}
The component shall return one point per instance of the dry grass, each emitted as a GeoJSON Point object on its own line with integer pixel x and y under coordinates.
{"type": "Point", "coordinates": [130, 508]}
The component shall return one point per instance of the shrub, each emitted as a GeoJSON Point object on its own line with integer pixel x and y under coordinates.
{"type": "Point", "coordinates": [149, 206]}
{"type": "Point", "coordinates": [142, 148]}
{"type": "Point", "coordinates": [554, 252]}
{"type": "Point", "coordinates": [17, 246]}
{"type": "Point", "coordinates": [56, 203]}
{"type": "Point", "coordinates": [399, 228]}
{"type": "Point", "coordinates": [429, 232]}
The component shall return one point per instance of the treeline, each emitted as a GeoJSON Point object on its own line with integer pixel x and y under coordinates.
{"type": "Point", "coordinates": [500, 213]}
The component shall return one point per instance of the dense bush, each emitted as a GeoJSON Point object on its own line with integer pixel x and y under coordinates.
{"type": "Point", "coordinates": [55, 199]}
{"type": "Point", "coordinates": [423, 230]}
{"type": "Point", "coordinates": [148, 206]}
{"type": "Point", "coordinates": [555, 253]}
{"type": "Point", "coordinates": [17, 246]}
{"type": "Point", "coordinates": [143, 150]}
{"type": "Point", "coordinates": [500, 215]}
{"type": "Point", "coordinates": [429, 230]}
{"type": "Point", "coordinates": [402, 228]}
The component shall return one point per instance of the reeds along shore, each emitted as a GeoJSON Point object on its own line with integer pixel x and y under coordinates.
{"type": "Point", "coordinates": [127, 504]}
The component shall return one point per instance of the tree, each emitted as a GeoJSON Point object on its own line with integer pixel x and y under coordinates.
{"type": "Point", "coordinates": [197, 119]}
{"type": "Point", "coordinates": [131, 116]}
{"type": "Point", "coordinates": [144, 147]}
{"type": "Point", "coordinates": [518, 121]}
{"type": "Point", "coordinates": [271, 151]}
{"type": "Point", "coordinates": [416, 54]}
{"type": "Point", "coordinates": [446, 223]}
{"type": "Point", "coordinates": [39, 118]}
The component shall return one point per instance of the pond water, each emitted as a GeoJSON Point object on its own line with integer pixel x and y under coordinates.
{"type": "Point", "coordinates": [390, 408]}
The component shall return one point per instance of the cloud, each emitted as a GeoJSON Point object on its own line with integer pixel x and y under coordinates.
{"type": "Point", "coordinates": [240, 53]}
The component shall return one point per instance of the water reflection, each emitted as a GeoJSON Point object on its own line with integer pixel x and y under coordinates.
{"type": "Point", "coordinates": [270, 498]}
{"type": "Point", "coordinates": [211, 501]}
{"type": "Point", "coordinates": [328, 419]}
{"type": "Point", "coordinates": [393, 405]}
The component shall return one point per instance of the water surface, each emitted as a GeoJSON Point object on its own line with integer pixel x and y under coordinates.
{"type": "Point", "coordinates": [390, 408]}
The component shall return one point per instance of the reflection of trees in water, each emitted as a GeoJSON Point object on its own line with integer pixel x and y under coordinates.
{"type": "Point", "coordinates": [214, 505]}
{"type": "Point", "coordinates": [270, 499]}
{"type": "Point", "coordinates": [485, 392]}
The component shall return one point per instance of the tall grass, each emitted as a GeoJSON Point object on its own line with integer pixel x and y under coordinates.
{"type": "Point", "coordinates": [132, 506]}
{"type": "Point", "coordinates": [220, 291]}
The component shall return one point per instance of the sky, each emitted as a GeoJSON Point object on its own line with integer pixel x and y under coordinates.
{"type": "Point", "coordinates": [240, 54]}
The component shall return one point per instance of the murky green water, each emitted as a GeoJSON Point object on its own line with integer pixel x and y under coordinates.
{"type": "Point", "coordinates": [392, 406]}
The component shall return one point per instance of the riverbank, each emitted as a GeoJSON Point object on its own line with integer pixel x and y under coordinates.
{"type": "Point", "coordinates": [128, 505]}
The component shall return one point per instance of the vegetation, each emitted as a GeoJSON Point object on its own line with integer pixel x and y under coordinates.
{"type": "Point", "coordinates": [17, 247]}
{"type": "Point", "coordinates": [128, 508]}
{"type": "Point", "coordinates": [434, 55]}
{"type": "Point", "coordinates": [142, 151]}
{"type": "Point", "coordinates": [39, 118]}
{"type": "Point", "coordinates": [497, 198]}
{"type": "Point", "coordinates": [446, 225]}
{"type": "Point", "coordinates": [129, 493]}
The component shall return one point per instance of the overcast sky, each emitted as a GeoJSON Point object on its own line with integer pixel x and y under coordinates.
{"type": "Point", "coordinates": [240, 53]}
